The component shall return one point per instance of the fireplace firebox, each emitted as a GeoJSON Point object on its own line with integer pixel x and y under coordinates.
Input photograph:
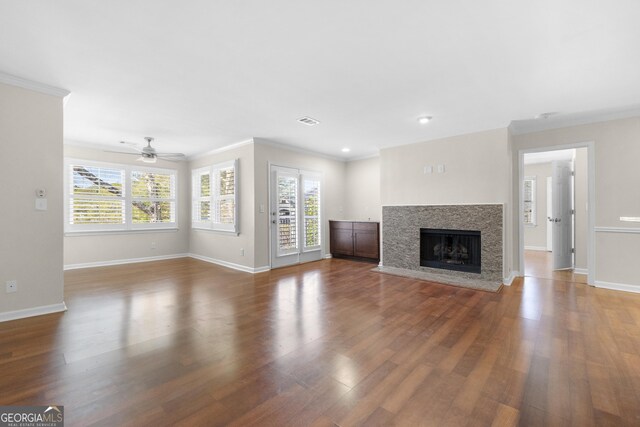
{"type": "Point", "coordinates": [457, 250]}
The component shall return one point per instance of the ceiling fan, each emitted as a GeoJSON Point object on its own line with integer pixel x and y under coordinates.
{"type": "Point", "coordinates": [149, 154]}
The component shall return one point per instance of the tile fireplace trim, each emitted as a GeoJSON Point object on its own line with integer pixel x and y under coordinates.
{"type": "Point", "coordinates": [401, 235]}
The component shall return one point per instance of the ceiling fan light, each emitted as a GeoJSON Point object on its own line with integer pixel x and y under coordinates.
{"type": "Point", "coordinates": [147, 159]}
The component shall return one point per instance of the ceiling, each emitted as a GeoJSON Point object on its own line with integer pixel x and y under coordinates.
{"type": "Point", "coordinates": [200, 75]}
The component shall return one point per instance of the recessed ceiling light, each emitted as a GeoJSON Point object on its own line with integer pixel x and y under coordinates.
{"type": "Point", "coordinates": [346, 150]}
{"type": "Point", "coordinates": [308, 121]}
{"type": "Point", "coordinates": [424, 120]}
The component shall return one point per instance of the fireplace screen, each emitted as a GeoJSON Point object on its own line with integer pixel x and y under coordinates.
{"type": "Point", "coordinates": [450, 249]}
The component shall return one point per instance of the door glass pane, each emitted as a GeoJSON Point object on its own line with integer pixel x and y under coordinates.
{"type": "Point", "coordinates": [311, 232]}
{"type": "Point", "coordinates": [287, 213]}
{"type": "Point", "coordinates": [311, 199]}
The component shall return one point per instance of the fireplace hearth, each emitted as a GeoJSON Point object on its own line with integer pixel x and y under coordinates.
{"type": "Point", "coordinates": [458, 250]}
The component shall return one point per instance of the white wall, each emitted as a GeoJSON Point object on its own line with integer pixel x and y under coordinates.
{"type": "Point", "coordinates": [333, 192]}
{"type": "Point", "coordinates": [87, 249]}
{"type": "Point", "coordinates": [223, 246]}
{"type": "Point", "coordinates": [362, 190]}
{"type": "Point", "coordinates": [477, 170]}
{"type": "Point", "coordinates": [31, 242]}
{"type": "Point", "coordinates": [617, 151]}
{"type": "Point", "coordinates": [535, 236]}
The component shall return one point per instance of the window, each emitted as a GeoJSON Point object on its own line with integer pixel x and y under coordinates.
{"type": "Point", "coordinates": [311, 197]}
{"type": "Point", "coordinates": [529, 200]}
{"type": "Point", "coordinates": [103, 197]}
{"type": "Point", "coordinates": [214, 197]}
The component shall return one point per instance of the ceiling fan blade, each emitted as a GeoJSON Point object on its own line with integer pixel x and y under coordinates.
{"type": "Point", "coordinates": [121, 152]}
{"type": "Point", "coordinates": [171, 155]}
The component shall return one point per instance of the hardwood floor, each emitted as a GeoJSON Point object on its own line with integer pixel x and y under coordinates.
{"type": "Point", "coordinates": [540, 264]}
{"type": "Point", "coordinates": [327, 343]}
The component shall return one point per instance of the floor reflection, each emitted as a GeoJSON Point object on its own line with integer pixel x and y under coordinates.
{"type": "Point", "coordinates": [296, 310]}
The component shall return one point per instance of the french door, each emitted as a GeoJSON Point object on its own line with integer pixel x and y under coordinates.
{"type": "Point", "coordinates": [295, 215]}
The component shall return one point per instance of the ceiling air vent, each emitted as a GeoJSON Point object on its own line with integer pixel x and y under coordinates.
{"type": "Point", "coordinates": [308, 121]}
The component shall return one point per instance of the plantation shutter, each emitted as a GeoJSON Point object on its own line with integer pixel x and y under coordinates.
{"type": "Point", "coordinates": [96, 197]}
{"type": "Point", "coordinates": [530, 200]}
{"type": "Point", "coordinates": [214, 194]}
{"type": "Point", "coordinates": [311, 205]}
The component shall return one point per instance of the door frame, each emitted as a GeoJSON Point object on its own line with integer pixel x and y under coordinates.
{"type": "Point", "coordinates": [549, 214]}
{"type": "Point", "coordinates": [322, 209]}
{"type": "Point", "coordinates": [591, 198]}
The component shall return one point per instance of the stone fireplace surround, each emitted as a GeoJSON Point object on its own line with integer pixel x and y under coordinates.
{"type": "Point", "coordinates": [401, 241]}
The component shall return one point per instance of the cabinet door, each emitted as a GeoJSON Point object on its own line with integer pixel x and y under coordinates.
{"type": "Point", "coordinates": [341, 238]}
{"type": "Point", "coordinates": [365, 240]}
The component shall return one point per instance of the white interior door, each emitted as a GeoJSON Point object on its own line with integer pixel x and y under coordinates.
{"type": "Point", "coordinates": [295, 216]}
{"type": "Point", "coordinates": [562, 221]}
{"type": "Point", "coordinates": [549, 214]}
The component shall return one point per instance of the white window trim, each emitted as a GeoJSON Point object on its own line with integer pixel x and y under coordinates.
{"type": "Point", "coordinates": [128, 226]}
{"type": "Point", "coordinates": [212, 171]}
{"type": "Point", "coordinates": [534, 202]}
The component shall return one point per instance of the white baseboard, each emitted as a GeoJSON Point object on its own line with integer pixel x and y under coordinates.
{"type": "Point", "coordinates": [617, 286]}
{"type": "Point", "coordinates": [507, 281]}
{"type": "Point", "coordinates": [580, 271]}
{"type": "Point", "coordinates": [328, 256]}
{"type": "Point", "coordinates": [30, 312]}
{"type": "Point", "coordinates": [123, 261]}
{"type": "Point", "coordinates": [231, 264]}
{"type": "Point", "coordinates": [536, 248]}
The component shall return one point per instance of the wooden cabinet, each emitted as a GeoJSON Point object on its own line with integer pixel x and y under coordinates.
{"type": "Point", "coordinates": [341, 238]}
{"type": "Point", "coordinates": [355, 239]}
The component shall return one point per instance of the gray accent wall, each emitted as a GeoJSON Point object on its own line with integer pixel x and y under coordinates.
{"type": "Point", "coordinates": [401, 235]}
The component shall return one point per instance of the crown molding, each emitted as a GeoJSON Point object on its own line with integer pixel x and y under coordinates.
{"type": "Point", "coordinates": [221, 149]}
{"type": "Point", "coordinates": [523, 127]}
{"type": "Point", "coordinates": [12, 80]}
{"type": "Point", "coordinates": [365, 157]}
{"type": "Point", "coordinates": [295, 149]}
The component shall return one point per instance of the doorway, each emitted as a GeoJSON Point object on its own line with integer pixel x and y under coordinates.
{"type": "Point", "coordinates": [295, 206]}
{"type": "Point", "coordinates": [555, 233]}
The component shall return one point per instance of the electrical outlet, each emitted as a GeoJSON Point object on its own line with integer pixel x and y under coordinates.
{"type": "Point", "coordinates": [12, 286]}
{"type": "Point", "coordinates": [241, 252]}
{"type": "Point", "coordinates": [153, 245]}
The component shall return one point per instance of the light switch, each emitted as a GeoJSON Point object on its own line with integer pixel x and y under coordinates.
{"type": "Point", "coordinates": [428, 169]}
{"type": "Point", "coordinates": [41, 204]}
{"type": "Point", "coordinates": [440, 168]}
{"type": "Point", "coordinates": [261, 208]}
